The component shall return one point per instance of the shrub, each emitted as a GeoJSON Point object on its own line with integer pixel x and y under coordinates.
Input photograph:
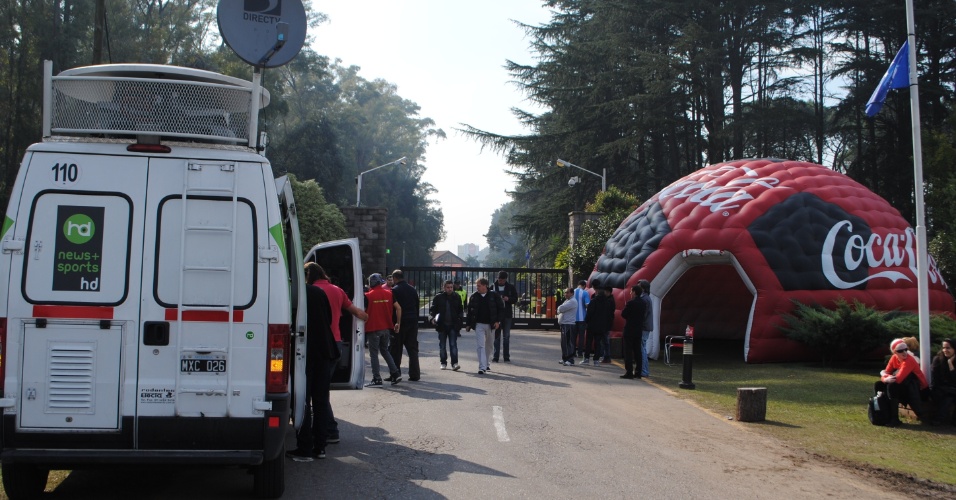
{"type": "Point", "coordinates": [845, 333]}
{"type": "Point", "coordinates": [941, 327]}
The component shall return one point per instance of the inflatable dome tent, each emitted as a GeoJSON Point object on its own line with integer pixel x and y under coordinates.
{"type": "Point", "coordinates": [727, 248]}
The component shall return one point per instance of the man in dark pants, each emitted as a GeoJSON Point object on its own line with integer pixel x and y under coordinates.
{"type": "Point", "coordinates": [407, 336]}
{"type": "Point", "coordinates": [446, 314]}
{"type": "Point", "coordinates": [320, 356]}
{"type": "Point", "coordinates": [633, 315]}
{"type": "Point", "coordinates": [599, 318]}
{"type": "Point", "coordinates": [509, 295]}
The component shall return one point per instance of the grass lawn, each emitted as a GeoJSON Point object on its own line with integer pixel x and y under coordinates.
{"type": "Point", "coordinates": [822, 410]}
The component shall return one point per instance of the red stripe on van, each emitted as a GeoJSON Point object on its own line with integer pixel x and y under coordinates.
{"type": "Point", "coordinates": [84, 312]}
{"type": "Point", "coordinates": [200, 315]}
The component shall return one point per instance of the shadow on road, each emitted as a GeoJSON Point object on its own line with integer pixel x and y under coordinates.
{"type": "Point", "coordinates": [387, 468]}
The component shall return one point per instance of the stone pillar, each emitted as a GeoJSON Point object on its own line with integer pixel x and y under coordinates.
{"type": "Point", "coordinates": [576, 219]}
{"type": "Point", "coordinates": [368, 224]}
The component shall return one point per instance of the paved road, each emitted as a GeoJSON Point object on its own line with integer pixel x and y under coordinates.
{"type": "Point", "coordinates": [529, 429]}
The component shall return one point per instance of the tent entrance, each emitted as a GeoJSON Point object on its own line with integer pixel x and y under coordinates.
{"type": "Point", "coordinates": [707, 289]}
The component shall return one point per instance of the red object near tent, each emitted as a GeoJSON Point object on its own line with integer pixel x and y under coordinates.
{"type": "Point", "coordinates": [729, 247]}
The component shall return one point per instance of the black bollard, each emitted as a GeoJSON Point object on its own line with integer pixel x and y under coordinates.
{"type": "Point", "coordinates": [686, 383]}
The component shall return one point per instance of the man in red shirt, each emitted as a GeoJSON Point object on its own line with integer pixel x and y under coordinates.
{"type": "Point", "coordinates": [340, 302]}
{"type": "Point", "coordinates": [379, 327]}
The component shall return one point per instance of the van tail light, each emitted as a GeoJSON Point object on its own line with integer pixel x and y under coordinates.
{"type": "Point", "coordinates": [3, 353]}
{"type": "Point", "coordinates": [277, 371]}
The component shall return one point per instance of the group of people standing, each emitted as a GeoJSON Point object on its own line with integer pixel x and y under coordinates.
{"type": "Point", "coordinates": [586, 322]}
{"type": "Point", "coordinates": [489, 312]}
{"type": "Point", "coordinates": [391, 320]}
{"type": "Point", "coordinates": [325, 305]}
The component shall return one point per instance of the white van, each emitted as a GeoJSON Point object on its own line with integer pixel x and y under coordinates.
{"type": "Point", "coordinates": [136, 327]}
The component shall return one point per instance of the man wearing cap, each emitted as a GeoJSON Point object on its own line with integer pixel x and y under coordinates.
{"type": "Point", "coordinates": [407, 334]}
{"type": "Point", "coordinates": [446, 315]}
{"type": "Point", "coordinates": [379, 327]}
{"type": "Point", "coordinates": [509, 295]}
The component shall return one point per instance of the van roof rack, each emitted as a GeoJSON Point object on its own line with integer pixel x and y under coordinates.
{"type": "Point", "coordinates": [137, 100]}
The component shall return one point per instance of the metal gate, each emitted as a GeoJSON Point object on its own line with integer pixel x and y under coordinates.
{"type": "Point", "coordinates": [539, 290]}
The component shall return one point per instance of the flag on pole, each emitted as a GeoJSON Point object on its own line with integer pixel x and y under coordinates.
{"type": "Point", "coordinates": [897, 76]}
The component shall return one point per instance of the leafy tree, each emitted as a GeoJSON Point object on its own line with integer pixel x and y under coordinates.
{"type": "Point", "coordinates": [614, 206]}
{"type": "Point", "coordinates": [319, 221]}
{"type": "Point", "coordinates": [507, 246]}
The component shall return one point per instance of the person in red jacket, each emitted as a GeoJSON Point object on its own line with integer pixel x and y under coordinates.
{"type": "Point", "coordinates": [380, 308]}
{"type": "Point", "coordinates": [903, 380]}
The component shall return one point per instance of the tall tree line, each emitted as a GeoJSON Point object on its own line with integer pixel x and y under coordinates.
{"type": "Point", "coordinates": [653, 90]}
{"type": "Point", "coordinates": [325, 122]}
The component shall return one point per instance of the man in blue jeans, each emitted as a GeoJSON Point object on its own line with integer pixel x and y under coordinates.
{"type": "Point", "coordinates": [509, 295]}
{"type": "Point", "coordinates": [446, 314]}
{"type": "Point", "coordinates": [580, 326]}
{"type": "Point", "coordinates": [648, 325]}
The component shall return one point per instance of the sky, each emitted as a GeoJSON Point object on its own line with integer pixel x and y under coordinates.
{"type": "Point", "coordinates": [447, 56]}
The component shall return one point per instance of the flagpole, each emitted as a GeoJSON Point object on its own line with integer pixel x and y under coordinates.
{"type": "Point", "coordinates": [922, 251]}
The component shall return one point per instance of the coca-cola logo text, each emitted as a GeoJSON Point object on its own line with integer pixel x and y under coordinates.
{"type": "Point", "coordinates": [892, 250]}
{"type": "Point", "coordinates": [708, 192]}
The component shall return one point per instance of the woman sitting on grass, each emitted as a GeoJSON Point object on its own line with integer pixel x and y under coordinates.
{"type": "Point", "coordinates": [903, 381]}
{"type": "Point", "coordinates": [944, 383]}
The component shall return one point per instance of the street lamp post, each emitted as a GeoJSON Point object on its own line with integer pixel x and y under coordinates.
{"type": "Point", "coordinates": [602, 175]}
{"type": "Point", "coordinates": [358, 180]}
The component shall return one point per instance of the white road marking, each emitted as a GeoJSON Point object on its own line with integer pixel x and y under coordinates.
{"type": "Point", "coordinates": [499, 418]}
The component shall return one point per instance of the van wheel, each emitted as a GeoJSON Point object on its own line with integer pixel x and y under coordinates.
{"type": "Point", "coordinates": [24, 480]}
{"type": "Point", "coordinates": [269, 477]}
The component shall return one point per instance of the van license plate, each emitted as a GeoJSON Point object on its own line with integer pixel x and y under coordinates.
{"type": "Point", "coordinates": [201, 365]}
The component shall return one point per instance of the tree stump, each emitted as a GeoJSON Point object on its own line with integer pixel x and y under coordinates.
{"type": "Point", "coordinates": [751, 404]}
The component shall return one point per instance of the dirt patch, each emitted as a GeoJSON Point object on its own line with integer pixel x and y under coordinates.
{"type": "Point", "coordinates": [894, 480]}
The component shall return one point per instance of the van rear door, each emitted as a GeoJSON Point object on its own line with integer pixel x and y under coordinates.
{"type": "Point", "coordinates": [205, 293]}
{"type": "Point", "coordinates": [342, 262]}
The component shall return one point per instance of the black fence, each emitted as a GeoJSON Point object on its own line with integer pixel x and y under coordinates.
{"type": "Point", "coordinates": [539, 290]}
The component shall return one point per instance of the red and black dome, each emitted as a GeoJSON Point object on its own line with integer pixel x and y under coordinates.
{"type": "Point", "coordinates": [728, 248]}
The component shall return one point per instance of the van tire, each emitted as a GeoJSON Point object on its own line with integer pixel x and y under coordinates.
{"type": "Point", "coordinates": [24, 480]}
{"type": "Point", "coordinates": [269, 477]}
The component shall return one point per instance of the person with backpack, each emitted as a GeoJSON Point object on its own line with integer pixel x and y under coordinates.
{"type": "Point", "coordinates": [903, 381]}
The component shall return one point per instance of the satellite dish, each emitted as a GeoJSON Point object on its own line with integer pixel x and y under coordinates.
{"type": "Point", "coordinates": [263, 33]}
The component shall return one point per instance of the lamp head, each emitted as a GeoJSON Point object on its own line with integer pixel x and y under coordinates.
{"type": "Point", "coordinates": [562, 163]}
{"type": "Point", "coordinates": [403, 160]}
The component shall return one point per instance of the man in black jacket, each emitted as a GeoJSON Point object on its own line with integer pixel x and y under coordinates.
{"type": "Point", "coordinates": [483, 316]}
{"type": "Point", "coordinates": [446, 314]}
{"type": "Point", "coordinates": [407, 335]}
{"type": "Point", "coordinates": [633, 314]}
{"type": "Point", "coordinates": [322, 351]}
{"type": "Point", "coordinates": [509, 295]}
{"type": "Point", "coordinates": [599, 318]}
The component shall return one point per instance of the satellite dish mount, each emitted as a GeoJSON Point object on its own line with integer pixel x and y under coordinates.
{"type": "Point", "coordinates": [264, 34]}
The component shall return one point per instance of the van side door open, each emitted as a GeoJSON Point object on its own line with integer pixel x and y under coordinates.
{"type": "Point", "coordinates": [342, 262]}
